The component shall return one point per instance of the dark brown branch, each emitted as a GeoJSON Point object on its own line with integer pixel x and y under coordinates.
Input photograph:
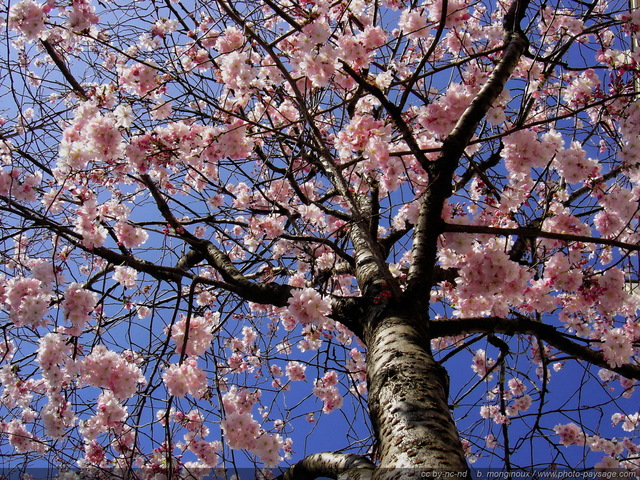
{"type": "Point", "coordinates": [535, 233]}
{"type": "Point", "coordinates": [345, 310]}
{"type": "Point", "coordinates": [266, 293]}
{"type": "Point", "coordinates": [66, 73]}
{"type": "Point", "coordinates": [370, 264]}
{"type": "Point", "coordinates": [479, 169]}
{"type": "Point", "coordinates": [434, 44]}
{"type": "Point", "coordinates": [524, 326]}
{"type": "Point", "coordinates": [394, 112]}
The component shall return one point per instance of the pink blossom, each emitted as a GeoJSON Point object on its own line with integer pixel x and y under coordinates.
{"type": "Point", "coordinates": [267, 448]}
{"type": "Point", "coordinates": [207, 452]}
{"type": "Point", "coordinates": [413, 23]}
{"type": "Point", "coordinates": [27, 17]}
{"type": "Point", "coordinates": [570, 434]}
{"type": "Point", "coordinates": [580, 90]}
{"type": "Point", "coordinates": [143, 311]}
{"type": "Point", "coordinates": [516, 386]}
{"type": "Point", "coordinates": [523, 151]}
{"type": "Point", "coordinates": [28, 302]}
{"type": "Point", "coordinates": [231, 39]}
{"type": "Point", "coordinates": [110, 412]}
{"type": "Point", "coordinates": [295, 371]}
{"type": "Point", "coordinates": [53, 350]}
{"type": "Point", "coordinates": [57, 416]}
{"type": "Point", "coordinates": [308, 306]}
{"type": "Point", "coordinates": [236, 70]}
{"type": "Point", "coordinates": [235, 143]}
{"type": "Point", "coordinates": [199, 337]}
{"type": "Point", "coordinates": [557, 22]}
{"type": "Point", "coordinates": [22, 440]}
{"type": "Point", "coordinates": [616, 346]}
{"type": "Point", "coordinates": [276, 370]}
{"type": "Point", "coordinates": [521, 404]}
{"type": "Point", "coordinates": [481, 364]}
{"type": "Point", "coordinates": [241, 430]}
{"type": "Point", "coordinates": [82, 16]}
{"type": "Point", "coordinates": [629, 422]}
{"type": "Point", "coordinates": [560, 274]}
{"type": "Point", "coordinates": [7, 349]}
{"type": "Point", "coordinates": [94, 453]}
{"type": "Point", "coordinates": [574, 166]}
{"type": "Point", "coordinates": [78, 304]}
{"type": "Point", "coordinates": [456, 14]}
{"type": "Point", "coordinates": [268, 227]}
{"type": "Point", "coordinates": [326, 391]}
{"type": "Point", "coordinates": [129, 235]}
{"type": "Point", "coordinates": [240, 399]}
{"type": "Point", "coordinates": [87, 224]}
{"type": "Point", "coordinates": [139, 78]}
{"type": "Point", "coordinates": [45, 271]}
{"type": "Point", "coordinates": [185, 379]}
{"type": "Point", "coordinates": [125, 276]}
{"type": "Point", "coordinates": [105, 368]}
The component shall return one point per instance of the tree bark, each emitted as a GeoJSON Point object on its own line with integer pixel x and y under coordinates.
{"type": "Point", "coordinates": [333, 465]}
{"type": "Point", "coordinates": [408, 393]}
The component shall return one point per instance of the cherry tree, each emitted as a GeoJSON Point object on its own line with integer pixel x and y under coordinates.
{"type": "Point", "coordinates": [226, 225]}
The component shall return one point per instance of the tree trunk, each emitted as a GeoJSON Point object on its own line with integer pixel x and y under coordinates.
{"type": "Point", "coordinates": [408, 393]}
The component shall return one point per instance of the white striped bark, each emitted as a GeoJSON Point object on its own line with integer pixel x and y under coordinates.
{"type": "Point", "coordinates": [333, 465]}
{"type": "Point", "coordinates": [408, 394]}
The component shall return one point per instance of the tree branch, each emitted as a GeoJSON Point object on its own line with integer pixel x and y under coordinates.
{"type": "Point", "coordinates": [535, 233]}
{"type": "Point", "coordinates": [430, 224]}
{"type": "Point", "coordinates": [265, 293]}
{"type": "Point", "coordinates": [159, 272]}
{"type": "Point", "coordinates": [330, 465]}
{"type": "Point", "coordinates": [370, 265]}
{"type": "Point", "coordinates": [521, 325]}
{"type": "Point", "coordinates": [66, 73]}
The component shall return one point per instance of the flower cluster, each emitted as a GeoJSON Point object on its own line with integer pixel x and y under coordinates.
{"type": "Point", "coordinates": [295, 371]}
{"type": "Point", "coordinates": [185, 379]}
{"type": "Point", "coordinates": [199, 336]}
{"type": "Point", "coordinates": [125, 276]}
{"type": "Point", "coordinates": [105, 368]}
{"type": "Point", "coordinates": [307, 306]}
{"type": "Point", "coordinates": [27, 300]}
{"type": "Point", "coordinates": [616, 346]}
{"type": "Point", "coordinates": [242, 431]}
{"type": "Point", "coordinates": [110, 414]}
{"type": "Point", "coordinates": [139, 78]}
{"type": "Point", "coordinates": [21, 439]}
{"type": "Point", "coordinates": [28, 17]}
{"type": "Point", "coordinates": [482, 365]}
{"type": "Point", "coordinates": [78, 304]}
{"type": "Point", "coordinates": [326, 390]}
{"type": "Point", "coordinates": [129, 235]}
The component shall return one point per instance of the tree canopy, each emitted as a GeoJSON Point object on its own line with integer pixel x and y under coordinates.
{"type": "Point", "coordinates": [227, 226]}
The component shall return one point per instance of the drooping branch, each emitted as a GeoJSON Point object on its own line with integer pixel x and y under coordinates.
{"type": "Point", "coordinates": [329, 465]}
{"type": "Point", "coordinates": [521, 325]}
